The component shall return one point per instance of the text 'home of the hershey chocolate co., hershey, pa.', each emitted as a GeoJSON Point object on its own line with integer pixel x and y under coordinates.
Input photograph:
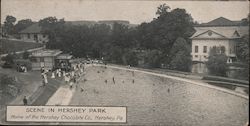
{"type": "Point", "coordinates": [65, 114]}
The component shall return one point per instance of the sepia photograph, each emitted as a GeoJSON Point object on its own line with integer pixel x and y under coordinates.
{"type": "Point", "coordinates": [124, 62]}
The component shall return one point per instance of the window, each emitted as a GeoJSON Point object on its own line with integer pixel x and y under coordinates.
{"type": "Point", "coordinates": [205, 56]}
{"type": "Point", "coordinates": [44, 35]}
{"type": "Point", "coordinates": [35, 37]}
{"type": "Point", "coordinates": [232, 49]}
{"type": "Point", "coordinates": [196, 56]}
{"type": "Point", "coordinates": [28, 35]}
{"type": "Point", "coordinates": [196, 49]}
{"type": "Point", "coordinates": [33, 59]}
{"type": "Point", "coordinates": [222, 49]}
{"type": "Point", "coordinates": [204, 49]}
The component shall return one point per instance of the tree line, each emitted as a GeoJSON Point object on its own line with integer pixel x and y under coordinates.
{"type": "Point", "coordinates": [162, 42]}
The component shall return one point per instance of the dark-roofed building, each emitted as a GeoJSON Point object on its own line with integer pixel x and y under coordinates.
{"type": "Point", "coordinates": [34, 33]}
{"type": "Point", "coordinates": [221, 21]}
{"type": "Point", "coordinates": [220, 32]}
{"type": "Point", "coordinates": [44, 58]}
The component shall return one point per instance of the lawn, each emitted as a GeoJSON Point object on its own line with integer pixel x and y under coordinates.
{"type": "Point", "coordinates": [7, 46]}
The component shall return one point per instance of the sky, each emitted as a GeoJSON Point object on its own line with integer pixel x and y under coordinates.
{"type": "Point", "coordinates": [135, 12]}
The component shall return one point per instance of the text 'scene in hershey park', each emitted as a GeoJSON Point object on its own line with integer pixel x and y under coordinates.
{"type": "Point", "coordinates": [128, 62]}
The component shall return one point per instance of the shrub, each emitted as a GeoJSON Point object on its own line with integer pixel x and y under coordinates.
{"type": "Point", "coordinates": [9, 59]}
{"type": "Point", "coordinates": [181, 58]}
{"type": "Point", "coordinates": [26, 55]}
{"type": "Point", "coordinates": [217, 64]}
{"type": "Point", "coordinates": [131, 58]}
{"type": "Point", "coordinates": [181, 62]}
{"type": "Point", "coordinates": [6, 80]}
{"type": "Point", "coordinates": [152, 58]}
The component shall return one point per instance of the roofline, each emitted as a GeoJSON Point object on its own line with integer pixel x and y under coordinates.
{"type": "Point", "coordinates": [56, 53]}
{"type": "Point", "coordinates": [201, 25]}
{"type": "Point", "coordinates": [214, 38]}
{"type": "Point", "coordinates": [208, 31]}
{"type": "Point", "coordinates": [31, 33]}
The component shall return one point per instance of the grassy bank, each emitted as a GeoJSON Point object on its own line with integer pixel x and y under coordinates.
{"type": "Point", "coordinates": [7, 46]}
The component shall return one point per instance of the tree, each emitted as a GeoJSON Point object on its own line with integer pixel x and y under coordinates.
{"type": "Point", "coordinates": [245, 21]}
{"type": "Point", "coordinates": [26, 54]}
{"type": "Point", "coordinates": [22, 24]}
{"type": "Point", "coordinates": [243, 55]}
{"type": "Point", "coordinates": [152, 58]}
{"type": "Point", "coordinates": [9, 25]}
{"type": "Point", "coordinates": [9, 58]}
{"type": "Point", "coordinates": [53, 27]}
{"type": "Point", "coordinates": [181, 58]}
{"type": "Point", "coordinates": [161, 33]}
{"type": "Point", "coordinates": [131, 58]}
{"type": "Point", "coordinates": [115, 55]}
{"type": "Point", "coordinates": [217, 62]}
{"type": "Point", "coordinates": [162, 9]}
{"type": "Point", "coordinates": [243, 49]}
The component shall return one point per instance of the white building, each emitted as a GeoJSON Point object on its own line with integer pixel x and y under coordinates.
{"type": "Point", "coordinates": [220, 32]}
{"type": "Point", "coordinates": [34, 33]}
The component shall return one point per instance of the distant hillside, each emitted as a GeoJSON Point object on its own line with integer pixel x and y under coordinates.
{"type": "Point", "coordinates": [107, 22]}
{"type": "Point", "coordinates": [7, 46]}
{"type": "Point", "coordinates": [88, 23]}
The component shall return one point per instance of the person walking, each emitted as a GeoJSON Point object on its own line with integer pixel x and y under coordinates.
{"type": "Point", "coordinates": [114, 80]}
{"type": "Point", "coordinates": [53, 74]}
{"type": "Point", "coordinates": [71, 84]}
{"type": "Point", "coordinates": [25, 101]}
{"type": "Point", "coordinates": [42, 70]}
{"type": "Point", "coordinates": [67, 78]}
{"type": "Point", "coordinates": [45, 79]}
{"type": "Point", "coordinates": [59, 72]}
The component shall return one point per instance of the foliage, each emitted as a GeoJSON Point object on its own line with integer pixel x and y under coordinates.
{"type": "Point", "coordinates": [117, 43]}
{"type": "Point", "coordinates": [152, 58]}
{"type": "Point", "coordinates": [162, 32]}
{"type": "Point", "coordinates": [217, 64]}
{"type": "Point", "coordinates": [9, 25]}
{"type": "Point", "coordinates": [16, 46]}
{"type": "Point", "coordinates": [243, 49]}
{"type": "Point", "coordinates": [52, 27]}
{"type": "Point", "coordinates": [181, 58]}
{"type": "Point", "coordinates": [26, 54]}
{"type": "Point", "coordinates": [243, 56]}
{"type": "Point", "coordinates": [162, 9]}
{"type": "Point", "coordinates": [9, 58]}
{"type": "Point", "coordinates": [115, 55]}
{"type": "Point", "coordinates": [6, 80]}
{"type": "Point", "coordinates": [131, 58]}
{"type": "Point", "coordinates": [245, 21]}
{"type": "Point", "coordinates": [22, 24]}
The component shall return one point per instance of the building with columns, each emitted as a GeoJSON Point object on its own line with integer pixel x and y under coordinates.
{"type": "Point", "coordinates": [221, 33]}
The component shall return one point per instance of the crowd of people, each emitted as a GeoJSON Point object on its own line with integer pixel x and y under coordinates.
{"type": "Point", "coordinates": [21, 68]}
{"type": "Point", "coordinates": [70, 77]}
